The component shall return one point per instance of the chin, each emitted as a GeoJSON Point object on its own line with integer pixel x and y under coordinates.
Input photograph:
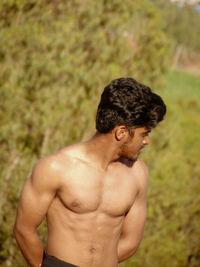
{"type": "Point", "coordinates": [133, 158]}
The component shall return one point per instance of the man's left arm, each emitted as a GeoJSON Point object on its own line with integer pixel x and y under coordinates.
{"type": "Point", "coordinates": [133, 225]}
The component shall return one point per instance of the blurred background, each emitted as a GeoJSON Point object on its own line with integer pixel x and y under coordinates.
{"type": "Point", "coordinates": [56, 56]}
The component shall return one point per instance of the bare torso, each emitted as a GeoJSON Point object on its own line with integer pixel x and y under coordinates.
{"type": "Point", "coordinates": [86, 215]}
{"type": "Point", "coordinates": [94, 197]}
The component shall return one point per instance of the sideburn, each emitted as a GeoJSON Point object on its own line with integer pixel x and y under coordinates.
{"type": "Point", "coordinates": [130, 137]}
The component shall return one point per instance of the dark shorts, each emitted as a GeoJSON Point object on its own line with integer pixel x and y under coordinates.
{"type": "Point", "coordinates": [50, 261]}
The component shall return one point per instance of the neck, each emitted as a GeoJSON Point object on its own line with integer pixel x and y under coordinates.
{"type": "Point", "coordinates": [103, 149]}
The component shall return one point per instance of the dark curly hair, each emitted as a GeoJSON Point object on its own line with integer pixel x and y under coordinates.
{"type": "Point", "coordinates": [127, 102]}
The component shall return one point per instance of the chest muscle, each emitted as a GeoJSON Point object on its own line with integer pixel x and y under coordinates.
{"type": "Point", "coordinates": [112, 194]}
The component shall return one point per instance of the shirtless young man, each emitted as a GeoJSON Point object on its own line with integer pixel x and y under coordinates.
{"type": "Point", "coordinates": [93, 194]}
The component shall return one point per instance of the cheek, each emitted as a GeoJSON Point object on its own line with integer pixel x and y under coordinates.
{"type": "Point", "coordinates": [138, 144]}
{"type": "Point", "coordinates": [134, 147]}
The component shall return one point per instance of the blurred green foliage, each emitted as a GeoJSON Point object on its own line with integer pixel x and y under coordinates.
{"type": "Point", "coordinates": [172, 230]}
{"type": "Point", "coordinates": [181, 24]}
{"type": "Point", "coordinates": [55, 58]}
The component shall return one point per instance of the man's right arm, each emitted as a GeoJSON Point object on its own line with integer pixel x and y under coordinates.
{"type": "Point", "coordinates": [37, 195]}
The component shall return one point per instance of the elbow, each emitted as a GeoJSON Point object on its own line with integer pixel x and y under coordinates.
{"type": "Point", "coordinates": [20, 231]}
{"type": "Point", "coordinates": [131, 250]}
{"type": "Point", "coordinates": [126, 251]}
{"type": "Point", "coordinates": [17, 231]}
{"type": "Point", "coordinates": [135, 246]}
{"type": "Point", "coordinates": [132, 246]}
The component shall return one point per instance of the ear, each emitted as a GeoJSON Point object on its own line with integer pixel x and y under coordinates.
{"type": "Point", "coordinates": [120, 132]}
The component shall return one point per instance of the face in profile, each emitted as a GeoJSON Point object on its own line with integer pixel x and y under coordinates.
{"type": "Point", "coordinates": [133, 147]}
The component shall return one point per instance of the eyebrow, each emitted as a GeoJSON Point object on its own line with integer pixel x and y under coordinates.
{"type": "Point", "coordinates": [147, 131]}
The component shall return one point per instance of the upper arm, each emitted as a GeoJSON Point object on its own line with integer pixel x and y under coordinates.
{"type": "Point", "coordinates": [37, 194]}
{"type": "Point", "coordinates": [134, 221]}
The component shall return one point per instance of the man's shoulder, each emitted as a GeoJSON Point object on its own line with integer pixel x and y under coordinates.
{"type": "Point", "coordinates": [46, 167]}
{"type": "Point", "coordinates": [59, 159]}
{"type": "Point", "coordinates": [51, 169]}
{"type": "Point", "coordinates": [140, 172]}
{"type": "Point", "coordinates": [140, 166]}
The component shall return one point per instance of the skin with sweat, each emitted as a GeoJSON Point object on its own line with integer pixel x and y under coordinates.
{"type": "Point", "coordinates": [93, 195]}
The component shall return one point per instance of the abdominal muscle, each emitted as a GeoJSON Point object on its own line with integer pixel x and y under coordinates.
{"type": "Point", "coordinates": [85, 239]}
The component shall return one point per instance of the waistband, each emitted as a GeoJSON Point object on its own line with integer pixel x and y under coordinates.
{"type": "Point", "coordinates": [51, 261]}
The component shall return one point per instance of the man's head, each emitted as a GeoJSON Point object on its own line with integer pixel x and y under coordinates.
{"type": "Point", "coordinates": [129, 110]}
{"type": "Point", "coordinates": [127, 102]}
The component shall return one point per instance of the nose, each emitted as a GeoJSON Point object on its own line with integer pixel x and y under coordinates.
{"type": "Point", "coordinates": [146, 140]}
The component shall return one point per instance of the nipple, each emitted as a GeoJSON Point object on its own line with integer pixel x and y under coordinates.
{"type": "Point", "coordinates": [75, 204]}
{"type": "Point", "coordinates": [92, 250]}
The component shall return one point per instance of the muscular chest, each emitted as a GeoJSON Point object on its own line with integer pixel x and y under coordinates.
{"type": "Point", "coordinates": [112, 193]}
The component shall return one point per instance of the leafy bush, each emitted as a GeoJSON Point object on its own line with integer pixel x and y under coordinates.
{"type": "Point", "coordinates": [172, 229]}
{"type": "Point", "coordinates": [55, 58]}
